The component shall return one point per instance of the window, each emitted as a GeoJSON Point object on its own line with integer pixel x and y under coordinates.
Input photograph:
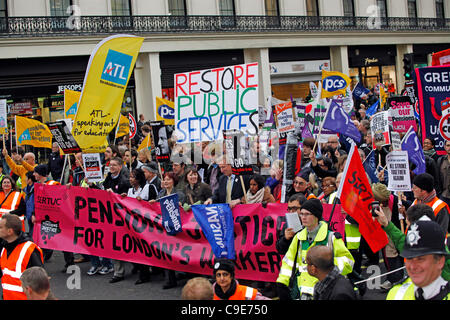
{"type": "Point", "coordinates": [226, 8]}
{"type": "Point", "coordinates": [349, 12]}
{"type": "Point", "coordinates": [272, 8]}
{"type": "Point", "coordinates": [228, 13]}
{"type": "Point", "coordinates": [121, 7]}
{"type": "Point", "coordinates": [3, 9]}
{"type": "Point", "coordinates": [178, 13]}
{"type": "Point", "coordinates": [382, 12]}
{"type": "Point", "coordinates": [58, 8]}
{"type": "Point", "coordinates": [440, 13]}
{"type": "Point", "coordinates": [412, 12]}
{"type": "Point", "coordinates": [177, 7]}
{"type": "Point", "coordinates": [312, 8]}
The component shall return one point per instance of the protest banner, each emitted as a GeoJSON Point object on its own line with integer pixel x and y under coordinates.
{"type": "Point", "coordinates": [161, 139]}
{"type": "Point", "coordinates": [433, 86]}
{"type": "Point", "coordinates": [3, 117]}
{"type": "Point", "coordinates": [334, 83]}
{"type": "Point", "coordinates": [398, 169]}
{"type": "Point", "coordinates": [109, 69]}
{"type": "Point", "coordinates": [379, 127]}
{"type": "Point", "coordinates": [71, 99]}
{"type": "Point", "coordinates": [123, 126]}
{"type": "Point", "coordinates": [61, 132]}
{"type": "Point", "coordinates": [237, 152]}
{"type": "Point", "coordinates": [338, 121]}
{"type": "Point", "coordinates": [284, 117]}
{"type": "Point", "coordinates": [210, 101]}
{"type": "Point", "coordinates": [32, 133]}
{"type": "Point", "coordinates": [133, 125]}
{"type": "Point", "coordinates": [411, 144]}
{"type": "Point", "coordinates": [146, 143]}
{"type": "Point", "coordinates": [402, 113]}
{"type": "Point", "coordinates": [101, 223]}
{"type": "Point", "coordinates": [441, 58]}
{"type": "Point", "coordinates": [92, 167]}
{"type": "Point", "coordinates": [355, 194]}
{"type": "Point", "coordinates": [165, 111]}
{"type": "Point", "coordinates": [396, 141]}
{"type": "Point", "coordinates": [359, 91]}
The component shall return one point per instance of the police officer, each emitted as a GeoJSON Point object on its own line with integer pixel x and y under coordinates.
{"type": "Point", "coordinates": [424, 254]}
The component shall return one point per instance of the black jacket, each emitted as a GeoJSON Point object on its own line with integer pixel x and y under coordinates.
{"type": "Point", "coordinates": [119, 185]}
{"type": "Point", "coordinates": [339, 288]}
{"type": "Point", "coordinates": [220, 194]}
{"type": "Point", "coordinates": [35, 258]}
{"type": "Point", "coordinates": [55, 165]}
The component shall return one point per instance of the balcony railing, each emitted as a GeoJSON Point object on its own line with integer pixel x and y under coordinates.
{"type": "Point", "coordinates": [13, 27]}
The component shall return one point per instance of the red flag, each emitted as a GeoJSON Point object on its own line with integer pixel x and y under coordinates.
{"type": "Point", "coordinates": [355, 194]}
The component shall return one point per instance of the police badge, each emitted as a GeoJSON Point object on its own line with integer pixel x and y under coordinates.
{"type": "Point", "coordinates": [413, 236]}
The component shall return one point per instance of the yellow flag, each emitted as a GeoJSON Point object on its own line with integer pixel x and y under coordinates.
{"type": "Point", "coordinates": [334, 83]}
{"type": "Point", "coordinates": [383, 97]}
{"type": "Point", "coordinates": [145, 144]}
{"type": "Point", "coordinates": [165, 111]}
{"type": "Point", "coordinates": [32, 133]}
{"type": "Point", "coordinates": [109, 69]}
{"type": "Point", "coordinates": [123, 127]}
{"type": "Point", "coordinates": [71, 99]}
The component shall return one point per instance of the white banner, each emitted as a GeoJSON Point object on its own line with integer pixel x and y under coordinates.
{"type": "Point", "coordinates": [398, 170]}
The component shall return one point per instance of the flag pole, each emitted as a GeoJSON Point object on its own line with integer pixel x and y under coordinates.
{"type": "Point", "coordinates": [321, 125]}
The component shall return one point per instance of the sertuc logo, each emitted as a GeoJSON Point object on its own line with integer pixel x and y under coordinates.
{"type": "Point", "coordinates": [117, 67]}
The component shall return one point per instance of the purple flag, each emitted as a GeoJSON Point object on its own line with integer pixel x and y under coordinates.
{"type": "Point", "coordinates": [337, 120]}
{"type": "Point", "coordinates": [306, 133]}
{"type": "Point", "coordinates": [411, 144]}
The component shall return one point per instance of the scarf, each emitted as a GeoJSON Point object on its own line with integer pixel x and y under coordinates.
{"type": "Point", "coordinates": [429, 153]}
{"type": "Point", "coordinates": [225, 295]}
{"type": "Point", "coordinates": [429, 198]}
{"type": "Point", "coordinates": [255, 198]}
{"type": "Point", "coordinates": [321, 287]}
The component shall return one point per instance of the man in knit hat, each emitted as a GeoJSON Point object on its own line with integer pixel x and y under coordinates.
{"type": "Point", "coordinates": [316, 232]}
{"type": "Point", "coordinates": [423, 189]}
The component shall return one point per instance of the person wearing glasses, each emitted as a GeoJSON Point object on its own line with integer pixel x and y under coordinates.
{"type": "Point", "coordinates": [329, 190]}
{"type": "Point", "coordinates": [315, 232]}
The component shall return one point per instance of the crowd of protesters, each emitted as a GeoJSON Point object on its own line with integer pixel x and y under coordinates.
{"type": "Point", "coordinates": [137, 174]}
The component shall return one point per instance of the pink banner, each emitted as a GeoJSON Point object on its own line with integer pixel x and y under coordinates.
{"type": "Point", "coordinates": [103, 224]}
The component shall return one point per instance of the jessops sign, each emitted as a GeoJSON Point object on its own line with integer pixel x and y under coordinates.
{"type": "Point", "coordinates": [212, 100]}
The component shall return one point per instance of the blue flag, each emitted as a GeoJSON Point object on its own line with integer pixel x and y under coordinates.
{"type": "Point", "coordinates": [337, 120]}
{"type": "Point", "coordinates": [217, 224]}
{"type": "Point", "coordinates": [170, 210]}
{"type": "Point", "coordinates": [359, 91]}
{"type": "Point", "coordinates": [372, 109]}
{"type": "Point", "coordinates": [370, 165]}
{"type": "Point", "coordinates": [411, 144]}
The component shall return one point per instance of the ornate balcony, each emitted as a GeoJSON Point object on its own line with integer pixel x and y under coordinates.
{"type": "Point", "coordinates": [16, 27]}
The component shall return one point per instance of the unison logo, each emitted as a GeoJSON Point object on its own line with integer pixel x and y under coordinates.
{"type": "Point", "coordinates": [117, 67]}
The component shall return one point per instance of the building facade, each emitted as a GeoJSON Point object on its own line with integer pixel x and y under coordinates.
{"type": "Point", "coordinates": [45, 44]}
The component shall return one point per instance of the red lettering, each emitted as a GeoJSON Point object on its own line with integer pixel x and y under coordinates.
{"type": "Point", "coordinates": [191, 83]}
{"type": "Point", "coordinates": [179, 84]}
{"type": "Point", "coordinates": [250, 75]}
{"type": "Point", "coordinates": [237, 77]}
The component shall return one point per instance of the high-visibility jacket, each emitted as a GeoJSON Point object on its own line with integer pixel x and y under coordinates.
{"type": "Point", "coordinates": [352, 236]}
{"type": "Point", "coordinates": [405, 291]}
{"type": "Point", "coordinates": [342, 257]}
{"type": "Point", "coordinates": [52, 182]}
{"type": "Point", "coordinates": [11, 203]}
{"type": "Point", "coordinates": [436, 204]}
{"type": "Point", "coordinates": [13, 267]}
{"type": "Point", "coordinates": [241, 293]}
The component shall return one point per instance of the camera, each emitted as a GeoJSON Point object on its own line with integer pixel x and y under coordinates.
{"type": "Point", "coordinates": [375, 205]}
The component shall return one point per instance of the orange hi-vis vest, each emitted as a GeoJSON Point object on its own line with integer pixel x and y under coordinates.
{"type": "Point", "coordinates": [52, 182]}
{"type": "Point", "coordinates": [242, 293]}
{"type": "Point", "coordinates": [13, 267]}
{"type": "Point", "coordinates": [436, 204]}
{"type": "Point", "coordinates": [12, 203]}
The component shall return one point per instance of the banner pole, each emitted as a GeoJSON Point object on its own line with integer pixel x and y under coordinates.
{"type": "Point", "coordinates": [332, 211]}
{"type": "Point", "coordinates": [321, 126]}
{"type": "Point", "coordinates": [243, 188]}
{"type": "Point", "coordinates": [64, 168]}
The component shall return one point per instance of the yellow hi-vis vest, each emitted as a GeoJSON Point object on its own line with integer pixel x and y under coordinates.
{"type": "Point", "coordinates": [342, 258]}
{"type": "Point", "coordinates": [405, 291]}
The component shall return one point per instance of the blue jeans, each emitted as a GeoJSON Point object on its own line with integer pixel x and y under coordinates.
{"type": "Point", "coordinates": [101, 262]}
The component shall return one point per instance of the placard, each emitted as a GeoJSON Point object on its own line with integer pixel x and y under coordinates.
{"type": "Point", "coordinates": [402, 112]}
{"type": "Point", "coordinates": [61, 131]}
{"type": "Point", "coordinates": [398, 171]}
{"type": "Point", "coordinates": [379, 127]}
{"type": "Point", "coordinates": [92, 167]}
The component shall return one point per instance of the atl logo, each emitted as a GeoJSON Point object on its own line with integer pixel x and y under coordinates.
{"type": "Point", "coordinates": [117, 67]}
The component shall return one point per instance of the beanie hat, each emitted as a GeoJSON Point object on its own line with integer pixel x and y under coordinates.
{"type": "Point", "coordinates": [41, 170]}
{"type": "Point", "coordinates": [314, 206]}
{"type": "Point", "coordinates": [151, 167]}
{"type": "Point", "coordinates": [224, 264]}
{"type": "Point", "coordinates": [380, 192]}
{"type": "Point", "coordinates": [304, 174]}
{"type": "Point", "coordinates": [424, 181]}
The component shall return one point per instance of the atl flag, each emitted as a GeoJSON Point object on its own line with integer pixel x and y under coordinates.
{"type": "Point", "coordinates": [383, 97]}
{"type": "Point", "coordinates": [146, 143]}
{"type": "Point", "coordinates": [71, 99]}
{"type": "Point", "coordinates": [32, 133]}
{"type": "Point", "coordinates": [334, 83]}
{"type": "Point", "coordinates": [109, 69]}
{"type": "Point", "coordinates": [372, 109]}
{"type": "Point", "coordinates": [217, 224]}
{"type": "Point", "coordinates": [411, 144]}
{"type": "Point", "coordinates": [123, 127]}
{"type": "Point", "coordinates": [165, 111]}
{"type": "Point", "coordinates": [337, 120]}
{"type": "Point", "coordinates": [360, 91]}
{"type": "Point", "coordinates": [355, 194]}
{"type": "Point", "coordinates": [170, 211]}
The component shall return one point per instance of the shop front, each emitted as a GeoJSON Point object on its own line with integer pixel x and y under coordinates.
{"type": "Point", "coordinates": [372, 65]}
